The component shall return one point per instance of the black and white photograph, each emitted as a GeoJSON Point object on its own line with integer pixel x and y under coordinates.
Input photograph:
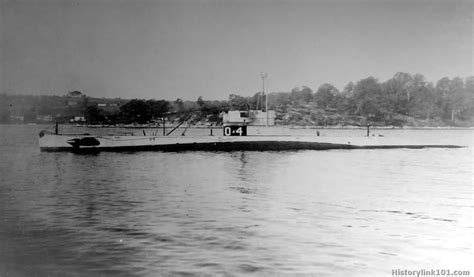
{"type": "Point", "coordinates": [236, 138]}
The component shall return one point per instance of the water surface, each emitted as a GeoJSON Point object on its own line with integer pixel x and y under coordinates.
{"type": "Point", "coordinates": [338, 212]}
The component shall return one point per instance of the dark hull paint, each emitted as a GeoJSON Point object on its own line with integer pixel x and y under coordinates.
{"type": "Point", "coordinates": [237, 146]}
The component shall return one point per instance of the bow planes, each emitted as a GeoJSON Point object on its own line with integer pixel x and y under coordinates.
{"type": "Point", "coordinates": [233, 138]}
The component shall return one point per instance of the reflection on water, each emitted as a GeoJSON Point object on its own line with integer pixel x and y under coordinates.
{"type": "Point", "coordinates": [362, 212]}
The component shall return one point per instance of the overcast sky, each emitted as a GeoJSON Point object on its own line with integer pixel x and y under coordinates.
{"type": "Point", "coordinates": [189, 48]}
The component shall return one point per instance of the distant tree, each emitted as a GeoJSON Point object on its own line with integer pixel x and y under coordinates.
{"type": "Point", "coordinates": [136, 111]}
{"type": "Point", "coordinates": [179, 104]}
{"type": "Point", "coordinates": [325, 95]}
{"type": "Point", "coordinates": [467, 110]}
{"type": "Point", "coordinates": [302, 95]}
{"type": "Point", "coordinates": [469, 84]}
{"type": "Point", "coordinates": [306, 94]}
{"type": "Point", "coordinates": [460, 98]}
{"type": "Point", "coordinates": [367, 96]}
{"type": "Point", "coordinates": [424, 101]}
{"type": "Point", "coordinates": [391, 98]}
{"type": "Point", "coordinates": [453, 96]}
{"type": "Point", "coordinates": [280, 100]}
{"type": "Point", "coordinates": [200, 101]}
{"type": "Point", "coordinates": [443, 86]}
{"type": "Point", "coordinates": [85, 103]}
{"type": "Point", "coordinates": [294, 95]}
{"type": "Point", "coordinates": [398, 92]}
{"type": "Point", "coordinates": [238, 102]}
{"type": "Point", "coordinates": [348, 89]}
{"type": "Point", "coordinates": [190, 107]}
{"type": "Point", "coordinates": [417, 86]}
{"type": "Point", "coordinates": [344, 104]}
{"type": "Point", "coordinates": [158, 107]}
{"type": "Point", "coordinates": [405, 84]}
{"type": "Point", "coordinates": [94, 115]}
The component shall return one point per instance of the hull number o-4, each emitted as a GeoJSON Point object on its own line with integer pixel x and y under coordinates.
{"type": "Point", "coordinates": [235, 130]}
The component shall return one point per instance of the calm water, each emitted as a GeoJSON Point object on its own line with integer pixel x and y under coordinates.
{"type": "Point", "coordinates": [339, 212]}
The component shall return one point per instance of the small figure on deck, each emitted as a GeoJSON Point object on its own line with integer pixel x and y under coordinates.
{"type": "Point", "coordinates": [368, 129]}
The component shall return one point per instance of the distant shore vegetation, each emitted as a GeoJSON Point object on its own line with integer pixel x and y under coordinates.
{"type": "Point", "coordinates": [403, 100]}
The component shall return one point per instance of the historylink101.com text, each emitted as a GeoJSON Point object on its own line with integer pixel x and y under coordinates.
{"type": "Point", "coordinates": [430, 272]}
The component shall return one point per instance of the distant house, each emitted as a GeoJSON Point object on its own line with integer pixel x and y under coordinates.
{"type": "Point", "coordinates": [74, 98]}
{"type": "Point", "coordinates": [78, 119]}
{"type": "Point", "coordinates": [17, 118]}
{"type": "Point", "coordinates": [44, 118]}
{"type": "Point", "coordinates": [111, 108]}
{"type": "Point", "coordinates": [75, 94]}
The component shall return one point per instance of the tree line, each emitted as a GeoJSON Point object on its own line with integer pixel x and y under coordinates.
{"type": "Point", "coordinates": [391, 102]}
{"type": "Point", "coordinates": [403, 95]}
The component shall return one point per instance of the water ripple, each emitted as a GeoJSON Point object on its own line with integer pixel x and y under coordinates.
{"type": "Point", "coordinates": [324, 213]}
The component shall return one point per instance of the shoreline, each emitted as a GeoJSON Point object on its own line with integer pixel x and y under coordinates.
{"type": "Point", "coordinates": [295, 127]}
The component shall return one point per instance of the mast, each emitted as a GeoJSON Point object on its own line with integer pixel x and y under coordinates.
{"type": "Point", "coordinates": [263, 76]}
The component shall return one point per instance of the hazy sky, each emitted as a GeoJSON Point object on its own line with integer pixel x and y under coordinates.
{"type": "Point", "coordinates": [189, 48]}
